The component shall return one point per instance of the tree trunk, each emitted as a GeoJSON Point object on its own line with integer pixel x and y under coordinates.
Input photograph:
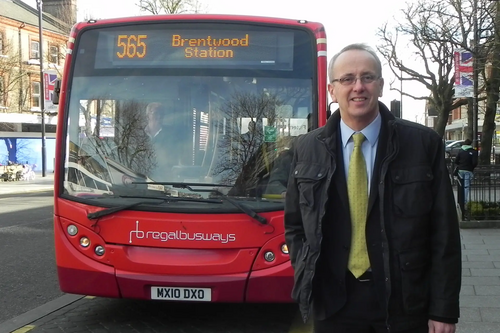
{"type": "Point", "coordinates": [492, 87]}
{"type": "Point", "coordinates": [442, 120]}
{"type": "Point", "coordinates": [11, 145]}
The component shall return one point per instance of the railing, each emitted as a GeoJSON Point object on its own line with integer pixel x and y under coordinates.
{"type": "Point", "coordinates": [481, 199]}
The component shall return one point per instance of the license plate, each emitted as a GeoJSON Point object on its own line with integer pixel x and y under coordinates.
{"type": "Point", "coordinates": [182, 294]}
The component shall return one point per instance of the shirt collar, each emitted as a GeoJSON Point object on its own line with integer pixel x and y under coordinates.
{"type": "Point", "coordinates": [370, 132]}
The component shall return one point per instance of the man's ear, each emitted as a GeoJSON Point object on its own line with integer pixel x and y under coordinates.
{"type": "Point", "coordinates": [331, 90]}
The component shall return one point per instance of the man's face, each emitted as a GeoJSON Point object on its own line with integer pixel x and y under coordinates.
{"type": "Point", "coordinates": [154, 119]}
{"type": "Point", "coordinates": [358, 102]}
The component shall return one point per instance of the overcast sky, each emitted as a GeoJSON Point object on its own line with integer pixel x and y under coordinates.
{"type": "Point", "coordinates": [345, 22]}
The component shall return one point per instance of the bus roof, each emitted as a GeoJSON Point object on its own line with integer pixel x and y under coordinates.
{"type": "Point", "coordinates": [198, 18]}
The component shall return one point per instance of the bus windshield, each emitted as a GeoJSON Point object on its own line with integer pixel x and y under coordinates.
{"type": "Point", "coordinates": [196, 103]}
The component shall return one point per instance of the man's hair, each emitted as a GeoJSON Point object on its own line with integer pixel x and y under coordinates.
{"type": "Point", "coordinates": [356, 46]}
{"type": "Point", "coordinates": [467, 142]}
{"type": "Point", "coordinates": [155, 108]}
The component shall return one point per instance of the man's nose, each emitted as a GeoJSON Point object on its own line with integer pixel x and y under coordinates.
{"type": "Point", "coordinates": [358, 85]}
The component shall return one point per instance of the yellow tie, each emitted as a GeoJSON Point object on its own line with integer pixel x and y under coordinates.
{"type": "Point", "coordinates": [357, 188]}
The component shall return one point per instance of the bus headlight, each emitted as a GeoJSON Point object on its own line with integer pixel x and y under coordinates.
{"type": "Point", "coordinates": [84, 242]}
{"type": "Point", "coordinates": [269, 256]}
{"type": "Point", "coordinates": [72, 229]}
{"type": "Point", "coordinates": [284, 249]}
{"type": "Point", "coordinates": [99, 250]}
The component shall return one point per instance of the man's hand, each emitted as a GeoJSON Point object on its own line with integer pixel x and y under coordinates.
{"type": "Point", "coordinates": [439, 327]}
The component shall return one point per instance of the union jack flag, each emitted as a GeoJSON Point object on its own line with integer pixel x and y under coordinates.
{"type": "Point", "coordinates": [463, 73]}
{"type": "Point", "coordinates": [49, 83]}
{"type": "Point", "coordinates": [463, 68]}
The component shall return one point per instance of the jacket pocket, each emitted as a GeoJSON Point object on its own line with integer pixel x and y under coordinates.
{"type": "Point", "coordinates": [412, 194]}
{"type": "Point", "coordinates": [415, 291]}
{"type": "Point", "coordinates": [308, 178]}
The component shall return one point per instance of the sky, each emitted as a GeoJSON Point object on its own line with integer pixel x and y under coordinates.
{"type": "Point", "coordinates": [345, 22]}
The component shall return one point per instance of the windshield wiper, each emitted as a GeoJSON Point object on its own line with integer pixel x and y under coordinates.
{"type": "Point", "coordinates": [242, 207]}
{"type": "Point", "coordinates": [112, 210]}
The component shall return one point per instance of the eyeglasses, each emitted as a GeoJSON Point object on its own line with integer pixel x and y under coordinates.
{"type": "Point", "coordinates": [350, 80]}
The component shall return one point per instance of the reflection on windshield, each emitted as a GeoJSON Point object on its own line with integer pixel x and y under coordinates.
{"type": "Point", "coordinates": [218, 130]}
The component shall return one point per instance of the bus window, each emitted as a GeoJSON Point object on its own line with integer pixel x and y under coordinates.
{"type": "Point", "coordinates": [208, 96]}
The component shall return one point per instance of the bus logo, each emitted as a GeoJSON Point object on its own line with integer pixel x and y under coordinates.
{"type": "Point", "coordinates": [179, 235]}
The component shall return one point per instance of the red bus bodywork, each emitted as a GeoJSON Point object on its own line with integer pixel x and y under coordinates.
{"type": "Point", "coordinates": [146, 249]}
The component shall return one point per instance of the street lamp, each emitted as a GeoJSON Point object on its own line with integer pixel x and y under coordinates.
{"type": "Point", "coordinates": [401, 90]}
{"type": "Point", "coordinates": [42, 91]}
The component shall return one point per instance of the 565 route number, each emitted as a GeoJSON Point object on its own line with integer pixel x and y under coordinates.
{"type": "Point", "coordinates": [131, 46]}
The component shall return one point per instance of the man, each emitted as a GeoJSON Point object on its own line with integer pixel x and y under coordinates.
{"type": "Point", "coordinates": [252, 139]}
{"type": "Point", "coordinates": [371, 225]}
{"type": "Point", "coordinates": [162, 139]}
{"type": "Point", "coordinates": [466, 162]}
{"type": "Point", "coordinates": [155, 113]}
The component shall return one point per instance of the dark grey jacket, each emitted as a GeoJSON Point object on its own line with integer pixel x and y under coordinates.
{"type": "Point", "coordinates": [466, 159]}
{"type": "Point", "coordinates": [412, 228]}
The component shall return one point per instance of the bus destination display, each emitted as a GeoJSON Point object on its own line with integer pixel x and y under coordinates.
{"type": "Point", "coordinates": [195, 48]}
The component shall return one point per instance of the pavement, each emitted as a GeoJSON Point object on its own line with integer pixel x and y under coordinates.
{"type": "Point", "coordinates": [479, 300]}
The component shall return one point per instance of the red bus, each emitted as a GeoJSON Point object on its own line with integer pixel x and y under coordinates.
{"type": "Point", "coordinates": [191, 209]}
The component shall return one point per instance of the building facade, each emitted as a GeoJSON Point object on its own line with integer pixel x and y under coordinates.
{"type": "Point", "coordinates": [20, 75]}
{"type": "Point", "coordinates": [20, 83]}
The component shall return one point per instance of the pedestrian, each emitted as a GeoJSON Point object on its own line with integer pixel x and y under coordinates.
{"type": "Point", "coordinates": [370, 218]}
{"type": "Point", "coordinates": [466, 161]}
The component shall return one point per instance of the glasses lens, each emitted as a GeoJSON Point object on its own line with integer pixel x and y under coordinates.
{"type": "Point", "coordinates": [347, 80]}
{"type": "Point", "coordinates": [368, 78]}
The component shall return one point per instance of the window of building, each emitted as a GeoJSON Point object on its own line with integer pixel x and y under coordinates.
{"type": "Point", "coordinates": [35, 95]}
{"type": "Point", "coordinates": [54, 54]}
{"type": "Point", "coordinates": [34, 50]}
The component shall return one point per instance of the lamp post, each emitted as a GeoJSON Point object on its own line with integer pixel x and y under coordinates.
{"type": "Point", "coordinates": [42, 91]}
{"type": "Point", "coordinates": [401, 90]}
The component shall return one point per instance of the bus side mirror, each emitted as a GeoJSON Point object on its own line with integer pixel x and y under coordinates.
{"type": "Point", "coordinates": [57, 90]}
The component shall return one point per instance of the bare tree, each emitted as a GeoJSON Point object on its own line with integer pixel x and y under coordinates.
{"type": "Point", "coordinates": [134, 148]}
{"type": "Point", "coordinates": [11, 145]}
{"type": "Point", "coordinates": [244, 155]}
{"type": "Point", "coordinates": [18, 150]}
{"type": "Point", "coordinates": [434, 30]}
{"type": "Point", "coordinates": [12, 73]}
{"type": "Point", "coordinates": [130, 146]}
{"type": "Point", "coordinates": [157, 7]}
